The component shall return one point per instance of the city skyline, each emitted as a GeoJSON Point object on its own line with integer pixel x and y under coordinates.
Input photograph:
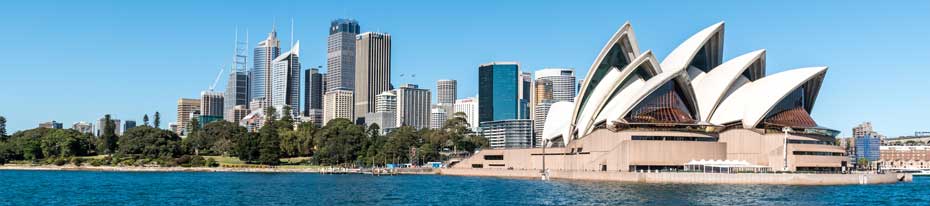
{"type": "Point", "coordinates": [151, 87]}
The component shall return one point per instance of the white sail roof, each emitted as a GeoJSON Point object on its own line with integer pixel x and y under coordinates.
{"type": "Point", "coordinates": [754, 100]}
{"type": "Point", "coordinates": [711, 88]}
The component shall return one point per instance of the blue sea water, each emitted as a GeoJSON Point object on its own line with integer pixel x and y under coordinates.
{"type": "Point", "coordinates": [193, 188]}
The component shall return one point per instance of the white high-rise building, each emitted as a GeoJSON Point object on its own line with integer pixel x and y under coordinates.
{"type": "Point", "coordinates": [413, 106]}
{"type": "Point", "coordinates": [511, 133]}
{"type": "Point", "coordinates": [437, 117]}
{"type": "Point", "coordinates": [563, 82]}
{"type": "Point", "coordinates": [285, 80]}
{"type": "Point", "coordinates": [337, 104]}
{"type": "Point", "coordinates": [469, 106]}
{"type": "Point", "coordinates": [539, 120]}
{"type": "Point", "coordinates": [446, 91]}
{"type": "Point", "coordinates": [385, 114]}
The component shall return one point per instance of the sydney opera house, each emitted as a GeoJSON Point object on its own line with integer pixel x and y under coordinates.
{"type": "Point", "coordinates": [634, 113]}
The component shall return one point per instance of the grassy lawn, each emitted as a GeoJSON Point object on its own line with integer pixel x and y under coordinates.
{"type": "Point", "coordinates": [294, 160]}
{"type": "Point", "coordinates": [226, 160]}
{"type": "Point", "coordinates": [223, 160]}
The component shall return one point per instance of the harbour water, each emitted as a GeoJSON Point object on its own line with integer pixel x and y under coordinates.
{"type": "Point", "coordinates": [204, 188]}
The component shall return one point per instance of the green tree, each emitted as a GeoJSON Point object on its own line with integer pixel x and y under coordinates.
{"type": "Point", "coordinates": [64, 143]}
{"type": "Point", "coordinates": [400, 141]}
{"type": "Point", "coordinates": [298, 143]}
{"type": "Point", "coordinates": [247, 147]}
{"type": "Point", "coordinates": [145, 120]}
{"type": "Point", "coordinates": [194, 125]}
{"type": "Point", "coordinates": [150, 142]}
{"type": "Point", "coordinates": [28, 144]}
{"type": "Point", "coordinates": [339, 142]}
{"type": "Point", "coordinates": [862, 162]}
{"type": "Point", "coordinates": [269, 145]}
{"type": "Point", "coordinates": [287, 121]}
{"type": "Point", "coordinates": [157, 120]}
{"type": "Point", "coordinates": [108, 140]}
{"type": "Point", "coordinates": [271, 114]}
{"type": "Point", "coordinates": [6, 152]}
{"type": "Point", "coordinates": [221, 136]}
{"type": "Point", "coordinates": [2, 127]}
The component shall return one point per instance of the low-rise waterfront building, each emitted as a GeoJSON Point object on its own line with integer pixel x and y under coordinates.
{"type": "Point", "coordinates": [905, 157]}
{"type": "Point", "coordinates": [508, 134]}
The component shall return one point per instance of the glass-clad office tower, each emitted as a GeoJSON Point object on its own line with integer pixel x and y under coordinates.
{"type": "Point", "coordinates": [498, 92]}
{"type": "Point", "coordinates": [266, 51]}
{"type": "Point", "coordinates": [340, 58]}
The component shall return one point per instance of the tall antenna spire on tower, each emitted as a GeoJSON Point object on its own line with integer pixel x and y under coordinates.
{"type": "Point", "coordinates": [240, 53]}
{"type": "Point", "coordinates": [292, 32]}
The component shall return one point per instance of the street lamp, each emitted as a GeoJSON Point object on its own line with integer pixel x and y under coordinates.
{"type": "Point", "coordinates": [545, 174]}
{"type": "Point", "coordinates": [786, 130]}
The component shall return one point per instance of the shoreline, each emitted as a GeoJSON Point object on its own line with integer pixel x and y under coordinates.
{"type": "Point", "coordinates": [322, 170]}
{"type": "Point", "coordinates": [691, 178]}
{"type": "Point", "coordinates": [657, 178]}
{"type": "Point", "coordinates": [156, 169]}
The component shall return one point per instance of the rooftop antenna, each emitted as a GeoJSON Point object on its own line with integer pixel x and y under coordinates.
{"type": "Point", "coordinates": [292, 32]}
{"type": "Point", "coordinates": [240, 56]}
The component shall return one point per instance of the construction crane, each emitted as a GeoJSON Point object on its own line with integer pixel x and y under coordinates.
{"type": "Point", "coordinates": [217, 78]}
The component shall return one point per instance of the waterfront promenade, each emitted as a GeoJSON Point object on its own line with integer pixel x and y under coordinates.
{"type": "Point", "coordinates": [667, 177]}
{"type": "Point", "coordinates": [692, 178]}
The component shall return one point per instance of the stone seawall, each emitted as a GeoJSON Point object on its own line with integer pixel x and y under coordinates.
{"type": "Point", "coordinates": [690, 178]}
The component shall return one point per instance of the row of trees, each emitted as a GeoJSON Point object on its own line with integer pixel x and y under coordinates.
{"type": "Point", "coordinates": [340, 142]}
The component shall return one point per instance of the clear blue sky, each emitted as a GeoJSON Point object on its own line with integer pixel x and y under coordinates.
{"type": "Point", "coordinates": [75, 61]}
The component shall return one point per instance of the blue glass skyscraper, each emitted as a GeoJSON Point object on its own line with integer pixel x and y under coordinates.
{"type": "Point", "coordinates": [266, 51]}
{"type": "Point", "coordinates": [498, 91]}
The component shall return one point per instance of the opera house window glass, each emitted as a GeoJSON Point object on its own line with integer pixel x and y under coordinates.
{"type": "Point", "coordinates": [790, 111]}
{"type": "Point", "coordinates": [665, 105]}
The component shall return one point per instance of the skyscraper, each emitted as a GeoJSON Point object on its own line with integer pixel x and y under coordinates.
{"type": "Point", "coordinates": [413, 106]}
{"type": "Point", "coordinates": [51, 125]}
{"type": "Point", "coordinates": [372, 71]}
{"type": "Point", "coordinates": [469, 106]}
{"type": "Point", "coordinates": [539, 120]}
{"type": "Point", "coordinates": [563, 83]}
{"type": "Point", "coordinates": [526, 91]}
{"type": "Point", "coordinates": [129, 124]}
{"type": "Point", "coordinates": [264, 54]}
{"type": "Point", "coordinates": [446, 91]}
{"type": "Point", "coordinates": [542, 91]}
{"type": "Point", "coordinates": [116, 126]}
{"type": "Point", "coordinates": [239, 112]}
{"type": "Point", "coordinates": [337, 104]}
{"type": "Point", "coordinates": [185, 108]}
{"type": "Point", "coordinates": [313, 91]}
{"type": "Point", "coordinates": [237, 93]}
{"type": "Point", "coordinates": [498, 91]}
{"type": "Point", "coordinates": [237, 86]}
{"type": "Point", "coordinates": [385, 114]}
{"type": "Point", "coordinates": [211, 103]}
{"type": "Point", "coordinates": [437, 117]}
{"type": "Point", "coordinates": [83, 127]}
{"type": "Point", "coordinates": [340, 58]}
{"type": "Point", "coordinates": [285, 80]}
